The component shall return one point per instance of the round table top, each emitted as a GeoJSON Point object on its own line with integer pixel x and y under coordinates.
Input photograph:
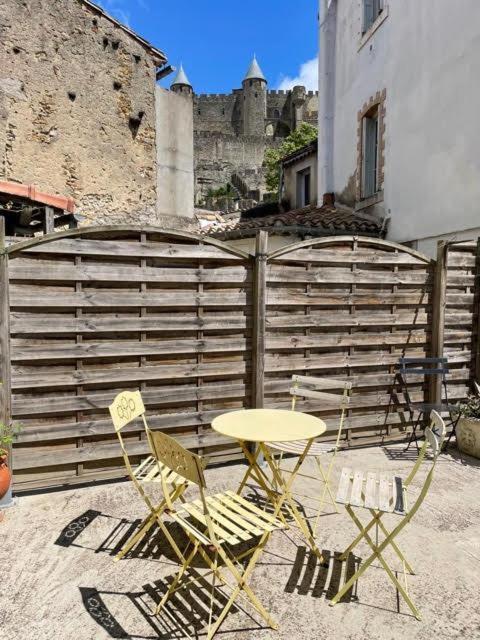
{"type": "Point", "coordinates": [264, 425]}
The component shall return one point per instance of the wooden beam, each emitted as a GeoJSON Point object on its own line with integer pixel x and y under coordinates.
{"type": "Point", "coordinates": [259, 307]}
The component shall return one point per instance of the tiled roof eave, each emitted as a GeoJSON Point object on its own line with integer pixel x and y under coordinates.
{"type": "Point", "coordinates": [300, 230]}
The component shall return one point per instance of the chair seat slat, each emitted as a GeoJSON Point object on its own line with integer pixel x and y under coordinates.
{"type": "Point", "coordinates": [322, 383]}
{"type": "Point", "coordinates": [357, 489]}
{"type": "Point", "coordinates": [344, 485]}
{"type": "Point", "coordinates": [385, 493]}
{"type": "Point", "coordinates": [244, 527]}
{"type": "Point", "coordinates": [222, 533]}
{"type": "Point", "coordinates": [371, 493]}
{"type": "Point", "coordinates": [330, 398]}
{"type": "Point", "coordinates": [298, 447]}
{"type": "Point", "coordinates": [398, 496]}
{"type": "Point", "coordinates": [188, 526]}
{"type": "Point", "coordinates": [226, 522]}
{"type": "Point", "coordinates": [251, 512]}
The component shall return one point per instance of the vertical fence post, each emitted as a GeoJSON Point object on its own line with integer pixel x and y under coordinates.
{"type": "Point", "coordinates": [438, 314]}
{"type": "Point", "coordinates": [5, 373]}
{"type": "Point", "coordinates": [476, 314]}
{"type": "Point", "coordinates": [49, 221]}
{"type": "Point", "coordinates": [259, 304]}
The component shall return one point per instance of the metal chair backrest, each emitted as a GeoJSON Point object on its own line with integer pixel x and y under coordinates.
{"type": "Point", "coordinates": [427, 367]}
{"type": "Point", "coordinates": [313, 387]}
{"type": "Point", "coordinates": [434, 437]}
{"type": "Point", "coordinates": [125, 408]}
{"type": "Point", "coordinates": [176, 458]}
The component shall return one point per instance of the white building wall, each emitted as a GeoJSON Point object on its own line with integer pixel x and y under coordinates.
{"type": "Point", "coordinates": [425, 54]}
{"type": "Point", "coordinates": [174, 154]}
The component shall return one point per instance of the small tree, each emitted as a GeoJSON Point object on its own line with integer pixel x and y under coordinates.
{"type": "Point", "coordinates": [297, 139]}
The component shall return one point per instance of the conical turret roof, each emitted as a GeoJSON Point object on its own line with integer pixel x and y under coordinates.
{"type": "Point", "coordinates": [254, 72]}
{"type": "Point", "coordinates": [181, 78]}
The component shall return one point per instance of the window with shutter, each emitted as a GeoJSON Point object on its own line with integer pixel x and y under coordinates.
{"type": "Point", "coordinates": [370, 154]}
{"type": "Point", "coordinates": [371, 10]}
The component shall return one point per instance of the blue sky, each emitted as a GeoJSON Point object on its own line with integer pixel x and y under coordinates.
{"type": "Point", "coordinates": [215, 39]}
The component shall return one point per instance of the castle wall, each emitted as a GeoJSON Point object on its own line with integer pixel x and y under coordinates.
{"type": "Point", "coordinates": [77, 108]}
{"type": "Point", "coordinates": [221, 146]}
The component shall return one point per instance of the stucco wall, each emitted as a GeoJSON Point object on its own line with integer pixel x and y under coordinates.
{"type": "Point", "coordinates": [426, 58]}
{"type": "Point", "coordinates": [290, 179]}
{"type": "Point", "coordinates": [70, 83]}
{"type": "Point", "coordinates": [174, 154]}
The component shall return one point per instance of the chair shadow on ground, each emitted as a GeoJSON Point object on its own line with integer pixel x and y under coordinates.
{"type": "Point", "coordinates": [186, 613]}
{"type": "Point", "coordinates": [154, 546]}
{"type": "Point", "coordinates": [309, 577]}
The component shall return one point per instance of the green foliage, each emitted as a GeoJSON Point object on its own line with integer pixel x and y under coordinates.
{"type": "Point", "coordinates": [222, 192]}
{"type": "Point", "coordinates": [300, 137]}
{"type": "Point", "coordinates": [470, 408]}
{"type": "Point", "coordinates": [8, 433]}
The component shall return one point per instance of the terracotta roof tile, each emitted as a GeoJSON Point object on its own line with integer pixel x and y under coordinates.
{"type": "Point", "coordinates": [308, 220]}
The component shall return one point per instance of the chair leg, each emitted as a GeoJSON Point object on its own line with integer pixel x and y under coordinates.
{"type": "Point", "coordinates": [144, 528]}
{"type": "Point", "coordinates": [413, 435]}
{"type": "Point", "coordinates": [453, 432]}
{"type": "Point", "coordinates": [377, 553]}
{"type": "Point", "coordinates": [178, 577]}
{"type": "Point", "coordinates": [326, 489]}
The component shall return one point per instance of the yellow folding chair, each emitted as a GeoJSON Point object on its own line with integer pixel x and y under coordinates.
{"type": "Point", "coordinates": [215, 524]}
{"type": "Point", "coordinates": [313, 387]}
{"type": "Point", "coordinates": [126, 407]}
{"type": "Point", "coordinates": [381, 494]}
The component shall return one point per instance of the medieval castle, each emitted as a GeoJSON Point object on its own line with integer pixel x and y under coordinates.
{"type": "Point", "coordinates": [232, 131]}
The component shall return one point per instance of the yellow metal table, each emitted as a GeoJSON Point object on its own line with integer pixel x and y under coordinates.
{"type": "Point", "coordinates": [259, 426]}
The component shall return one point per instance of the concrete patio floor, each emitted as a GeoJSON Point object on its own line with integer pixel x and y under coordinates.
{"type": "Point", "coordinates": [59, 581]}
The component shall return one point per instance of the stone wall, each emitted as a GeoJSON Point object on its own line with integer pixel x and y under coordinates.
{"type": "Point", "coordinates": [77, 108]}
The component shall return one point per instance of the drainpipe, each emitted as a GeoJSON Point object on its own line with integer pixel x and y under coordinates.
{"type": "Point", "coordinates": [326, 75]}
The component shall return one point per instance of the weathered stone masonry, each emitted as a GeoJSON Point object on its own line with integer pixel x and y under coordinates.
{"type": "Point", "coordinates": [77, 107]}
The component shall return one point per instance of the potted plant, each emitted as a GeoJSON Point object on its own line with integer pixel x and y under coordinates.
{"type": "Point", "coordinates": [468, 427]}
{"type": "Point", "coordinates": [8, 433]}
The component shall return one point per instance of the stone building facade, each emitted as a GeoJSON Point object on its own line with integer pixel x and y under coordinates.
{"type": "Point", "coordinates": [78, 112]}
{"type": "Point", "coordinates": [232, 131]}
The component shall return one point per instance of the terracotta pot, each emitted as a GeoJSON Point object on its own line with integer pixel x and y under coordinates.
{"type": "Point", "coordinates": [5, 476]}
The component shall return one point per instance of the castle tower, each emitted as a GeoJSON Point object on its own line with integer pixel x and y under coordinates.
{"type": "Point", "coordinates": [298, 98]}
{"type": "Point", "coordinates": [254, 100]}
{"type": "Point", "coordinates": [181, 84]}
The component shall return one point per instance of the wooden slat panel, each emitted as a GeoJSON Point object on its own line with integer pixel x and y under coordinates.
{"type": "Point", "coordinates": [128, 375]}
{"type": "Point", "coordinates": [43, 271]}
{"type": "Point", "coordinates": [121, 349]}
{"type": "Point", "coordinates": [125, 248]}
{"type": "Point", "coordinates": [363, 256]}
{"type": "Point", "coordinates": [297, 298]}
{"type": "Point", "coordinates": [151, 299]}
{"type": "Point", "coordinates": [54, 324]}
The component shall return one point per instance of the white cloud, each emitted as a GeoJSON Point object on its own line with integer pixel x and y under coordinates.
{"type": "Point", "coordinates": [307, 77]}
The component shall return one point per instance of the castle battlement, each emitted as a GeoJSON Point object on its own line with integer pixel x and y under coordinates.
{"type": "Point", "coordinates": [213, 97]}
{"type": "Point", "coordinates": [278, 92]}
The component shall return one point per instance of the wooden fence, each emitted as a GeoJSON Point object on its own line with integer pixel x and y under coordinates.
{"type": "Point", "coordinates": [96, 311]}
{"type": "Point", "coordinates": [201, 328]}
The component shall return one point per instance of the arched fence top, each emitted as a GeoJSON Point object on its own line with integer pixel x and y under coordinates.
{"type": "Point", "coordinates": [108, 230]}
{"type": "Point", "coordinates": [332, 240]}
